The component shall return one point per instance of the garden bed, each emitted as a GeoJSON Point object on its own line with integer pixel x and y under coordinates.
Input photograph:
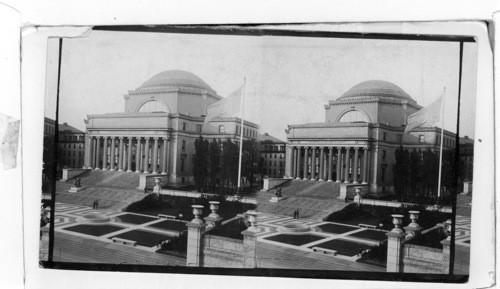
{"type": "Point", "coordinates": [344, 247]}
{"type": "Point", "coordinates": [297, 240]}
{"type": "Point", "coordinates": [94, 230]}
{"type": "Point", "coordinates": [336, 228]}
{"type": "Point", "coordinates": [143, 238]}
{"type": "Point", "coordinates": [134, 219]}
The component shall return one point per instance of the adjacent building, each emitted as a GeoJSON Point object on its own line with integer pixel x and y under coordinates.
{"type": "Point", "coordinates": [272, 154]}
{"type": "Point", "coordinates": [356, 144]}
{"type": "Point", "coordinates": [71, 144]}
{"type": "Point", "coordinates": [156, 132]}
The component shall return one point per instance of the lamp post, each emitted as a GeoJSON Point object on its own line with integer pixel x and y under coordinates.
{"type": "Point", "coordinates": [179, 240]}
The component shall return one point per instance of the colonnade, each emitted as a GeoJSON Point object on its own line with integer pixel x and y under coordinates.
{"type": "Point", "coordinates": [139, 154]}
{"type": "Point", "coordinates": [339, 164]}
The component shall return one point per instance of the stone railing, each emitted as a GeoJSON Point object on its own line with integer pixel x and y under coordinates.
{"type": "Point", "coordinates": [68, 174]}
{"type": "Point", "coordinates": [205, 250]}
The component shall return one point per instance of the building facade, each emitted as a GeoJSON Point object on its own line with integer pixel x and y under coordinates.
{"type": "Point", "coordinates": [357, 142]}
{"type": "Point", "coordinates": [272, 154]}
{"type": "Point", "coordinates": [156, 132]}
{"type": "Point", "coordinates": [71, 146]}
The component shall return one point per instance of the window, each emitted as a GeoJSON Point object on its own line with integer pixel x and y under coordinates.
{"type": "Point", "coordinates": [383, 155]}
{"type": "Point", "coordinates": [421, 138]}
{"type": "Point", "coordinates": [183, 158]}
{"type": "Point", "coordinates": [153, 106]}
{"type": "Point", "coordinates": [221, 129]}
{"type": "Point", "coordinates": [183, 126]}
{"type": "Point", "coordinates": [353, 116]}
{"type": "Point", "coordinates": [198, 128]}
{"type": "Point", "coordinates": [384, 136]}
{"type": "Point", "coordinates": [399, 138]}
{"type": "Point", "coordinates": [183, 145]}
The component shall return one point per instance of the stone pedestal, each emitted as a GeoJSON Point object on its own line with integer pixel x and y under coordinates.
{"type": "Point", "coordinates": [249, 249]}
{"type": "Point", "coordinates": [194, 244]}
{"type": "Point", "coordinates": [413, 229]}
{"type": "Point", "coordinates": [275, 199]}
{"type": "Point", "coordinates": [395, 241]}
{"type": "Point", "coordinates": [75, 189]}
{"type": "Point", "coordinates": [44, 243]}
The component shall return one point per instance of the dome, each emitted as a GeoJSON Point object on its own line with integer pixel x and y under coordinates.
{"type": "Point", "coordinates": [376, 88]}
{"type": "Point", "coordinates": [178, 78]}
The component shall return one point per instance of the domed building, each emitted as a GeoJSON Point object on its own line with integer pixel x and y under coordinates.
{"type": "Point", "coordinates": [156, 132]}
{"type": "Point", "coordinates": [355, 145]}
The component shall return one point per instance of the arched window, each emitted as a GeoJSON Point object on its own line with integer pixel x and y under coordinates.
{"type": "Point", "coordinates": [153, 106]}
{"type": "Point", "coordinates": [354, 116]}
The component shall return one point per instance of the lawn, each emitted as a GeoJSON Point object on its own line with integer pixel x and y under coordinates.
{"type": "Point", "coordinates": [143, 238]}
{"type": "Point", "coordinates": [336, 228]}
{"type": "Point", "coordinates": [370, 235]}
{"type": "Point", "coordinates": [297, 240]}
{"type": "Point", "coordinates": [134, 219]}
{"type": "Point", "coordinates": [94, 230]}
{"type": "Point", "coordinates": [344, 247]}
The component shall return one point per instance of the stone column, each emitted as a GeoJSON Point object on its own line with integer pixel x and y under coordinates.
{"type": "Point", "coordinates": [154, 159]}
{"type": "Point", "coordinates": [164, 156]}
{"type": "Point", "coordinates": [313, 164]}
{"type": "Point", "coordinates": [104, 153]}
{"type": "Point", "coordinates": [146, 156]}
{"type": "Point", "coordinates": [299, 158]}
{"type": "Point", "coordinates": [289, 162]}
{"type": "Point", "coordinates": [138, 156]}
{"type": "Point", "coordinates": [92, 152]}
{"type": "Point", "coordinates": [129, 155]}
{"type": "Point", "coordinates": [98, 153]}
{"type": "Point", "coordinates": [88, 149]}
{"type": "Point", "coordinates": [330, 164]}
{"type": "Point", "coordinates": [120, 155]}
{"type": "Point", "coordinates": [112, 156]}
{"type": "Point", "coordinates": [355, 166]}
{"type": "Point", "coordinates": [306, 163]}
{"type": "Point", "coordinates": [365, 165]}
{"type": "Point", "coordinates": [347, 165]}
{"type": "Point", "coordinates": [339, 165]}
{"type": "Point", "coordinates": [321, 164]}
{"type": "Point", "coordinates": [395, 245]}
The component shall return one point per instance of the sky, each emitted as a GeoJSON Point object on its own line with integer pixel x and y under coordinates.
{"type": "Point", "coordinates": [288, 79]}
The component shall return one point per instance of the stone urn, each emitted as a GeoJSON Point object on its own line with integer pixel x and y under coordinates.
{"type": "Point", "coordinates": [157, 187]}
{"type": "Point", "coordinates": [397, 220]}
{"type": "Point", "coordinates": [358, 196]}
{"type": "Point", "coordinates": [414, 218]}
{"type": "Point", "coordinates": [214, 206]}
{"type": "Point", "coordinates": [252, 218]}
{"type": "Point", "coordinates": [197, 210]}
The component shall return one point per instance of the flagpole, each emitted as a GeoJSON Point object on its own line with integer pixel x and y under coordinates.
{"type": "Point", "coordinates": [241, 135]}
{"type": "Point", "coordinates": [441, 145]}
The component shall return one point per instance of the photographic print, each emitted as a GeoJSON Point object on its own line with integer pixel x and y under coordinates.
{"type": "Point", "coordinates": [252, 151]}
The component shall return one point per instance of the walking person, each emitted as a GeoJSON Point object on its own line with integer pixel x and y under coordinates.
{"type": "Point", "coordinates": [298, 211]}
{"type": "Point", "coordinates": [93, 205]}
{"type": "Point", "coordinates": [96, 204]}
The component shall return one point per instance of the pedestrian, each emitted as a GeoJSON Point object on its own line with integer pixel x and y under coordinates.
{"type": "Point", "coordinates": [96, 204]}
{"type": "Point", "coordinates": [93, 205]}
{"type": "Point", "coordinates": [294, 214]}
{"type": "Point", "coordinates": [298, 211]}
{"type": "Point", "coordinates": [145, 190]}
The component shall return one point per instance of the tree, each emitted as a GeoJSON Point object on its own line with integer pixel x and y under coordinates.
{"type": "Point", "coordinates": [250, 161]}
{"type": "Point", "coordinates": [200, 163]}
{"type": "Point", "coordinates": [214, 155]}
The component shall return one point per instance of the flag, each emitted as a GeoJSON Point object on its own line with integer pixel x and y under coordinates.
{"type": "Point", "coordinates": [428, 116]}
{"type": "Point", "coordinates": [226, 107]}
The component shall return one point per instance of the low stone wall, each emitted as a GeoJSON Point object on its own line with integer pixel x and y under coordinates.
{"type": "Point", "coordinates": [222, 252]}
{"type": "Point", "coordinates": [68, 174]}
{"type": "Point", "coordinates": [420, 259]}
{"type": "Point", "coordinates": [380, 203]}
{"type": "Point", "coordinates": [348, 190]}
{"type": "Point", "coordinates": [271, 183]}
{"type": "Point", "coordinates": [149, 180]}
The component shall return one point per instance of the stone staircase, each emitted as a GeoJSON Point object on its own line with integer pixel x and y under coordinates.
{"type": "Point", "coordinates": [114, 199]}
{"type": "Point", "coordinates": [315, 200]}
{"type": "Point", "coordinates": [112, 179]}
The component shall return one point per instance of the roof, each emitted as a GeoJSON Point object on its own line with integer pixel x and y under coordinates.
{"type": "Point", "coordinates": [179, 78]}
{"type": "Point", "coordinates": [67, 129]}
{"type": "Point", "coordinates": [376, 88]}
{"type": "Point", "coordinates": [268, 138]}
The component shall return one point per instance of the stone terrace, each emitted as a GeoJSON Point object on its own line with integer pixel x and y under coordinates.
{"type": "Point", "coordinates": [315, 200]}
